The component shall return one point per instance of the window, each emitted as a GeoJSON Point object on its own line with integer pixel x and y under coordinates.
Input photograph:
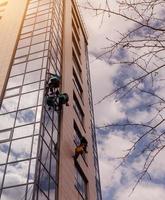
{"type": "Point", "coordinates": [77, 65]}
{"type": "Point", "coordinates": [77, 84]}
{"type": "Point", "coordinates": [78, 108]}
{"type": "Point", "coordinates": [77, 49]}
{"type": "Point", "coordinates": [5, 135]}
{"type": "Point", "coordinates": [81, 183]}
{"type": "Point", "coordinates": [77, 134]}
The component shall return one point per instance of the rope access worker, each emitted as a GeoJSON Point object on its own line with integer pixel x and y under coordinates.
{"type": "Point", "coordinates": [57, 100]}
{"type": "Point", "coordinates": [81, 148]}
{"type": "Point", "coordinates": [54, 82]}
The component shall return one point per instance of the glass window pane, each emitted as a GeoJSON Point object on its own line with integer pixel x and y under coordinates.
{"type": "Point", "coordinates": [15, 81]}
{"type": "Point", "coordinates": [39, 112]}
{"type": "Point", "coordinates": [42, 18]}
{"type": "Point", "coordinates": [38, 38]}
{"type": "Point", "coordinates": [53, 167]}
{"type": "Point", "coordinates": [35, 146]}
{"type": "Point", "coordinates": [30, 87]}
{"type": "Point", "coordinates": [29, 21]}
{"type": "Point", "coordinates": [41, 95]}
{"type": "Point", "coordinates": [36, 55]}
{"type": "Point", "coordinates": [7, 121]}
{"type": "Point", "coordinates": [37, 47]}
{"type": "Point", "coordinates": [32, 170]}
{"type": "Point", "coordinates": [26, 116]}
{"type": "Point", "coordinates": [23, 131]}
{"type": "Point", "coordinates": [22, 52]}
{"type": "Point", "coordinates": [18, 69]}
{"type": "Point", "coordinates": [14, 193]}
{"type": "Point", "coordinates": [24, 42]}
{"type": "Point", "coordinates": [16, 173]}
{"type": "Point", "coordinates": [19, 60]}
{"type": "Point", "coordinates": [2, 168]}
{"type": "Point", "coordinates": [52, 190]}
{"type": "Point", "coordinates": [30, 192]}
{"type": "Point", "coordinates": [34, 65]}
{"type": "Point", "coordinates": [32, 77]}
{"type": "Point", "coordinates": [9, 104]}
{"type": "Point", "coordinates": [20, 149]}
{"type": "Point", "coordinates": [5, 135]}
{"type": "Point", "coordinates": [40, 25]}
{"type": "Point", "coordinates": [28, 100]}
{"type": "Point", "coordinates": [4, 148]}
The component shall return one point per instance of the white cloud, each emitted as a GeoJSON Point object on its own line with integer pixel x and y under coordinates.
{"type": "Point", "coordinates": [145, 191]}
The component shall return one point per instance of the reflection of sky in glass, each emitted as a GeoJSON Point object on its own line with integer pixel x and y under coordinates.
{"type": "Point", "coordinates": [4, 148]}
{"type": "Point", "coordinates": [16, 173]}
{"type": "Point", "coordinates": [20, 149]}
{"type": "Point", "coordinates": [25, 116]}
{"type": "Point", "coordinates": [14, 193]}
{"type": "Point", "coordinates": [7, 121]}
{"type": "Point", "coordinates": [1, 173]}
{"type": "Point", "coordinates": [23, 131]}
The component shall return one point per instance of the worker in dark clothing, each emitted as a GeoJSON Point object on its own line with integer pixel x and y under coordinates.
{"type": "Point", "coordinates": [54, 82]}
{"type": "Point", "coordinates": [51, 102]}
{"type": "Point", "coordinates": [56, 100]}
{"type": "Point", "coordinates": [81, 148]}
{"type": "Point", "coordinates": [63, 99]}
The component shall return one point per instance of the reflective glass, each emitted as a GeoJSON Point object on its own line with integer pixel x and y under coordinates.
{"type": "Point", "coordinates": [32, 170]}
{"type": "Point", "coordinates": [31, 11]}
{"type": "Point", "coordinates": [7, 121]}
{"type": "Point", "coordinates": [41, 195]}
{"type": "Point", "coordinates": [53, 167]}
{"type": "Point", "coordinates": [40, 25]}
{"type": "Point", "coordinates": [30, 87]}
{"type": "Point", "coordinates": [4, 148]}
{"type": "Point", "coordinates": [55, 135]}
{"type": "Point", "coordinates": [5, 135]}
{"type": "Point", "coordinates": [16, 173]}
{"type": "Point", "coordinates": [37, 47]}
{"type": "Point", "coordinates": [26, 116]}
{"type": "Point", "coordinates": [34, 65]}
{"type": "Point", "coordinates": [19, 60]}
{"type": "Point", "coordinates": [28, 100]}
{"type": "Point", "coordinates": [17, 193]}
{"type": "Point", "coordinates": [23, 131]}
{"type": "Point", "coordinates": [52, 188]}
{"type": "Point", "coordinates": [15, 81]}
{"type": "Point", "coordinates": [37, 128]}
{"type": "Point", "coordinates": [20, 149]}
{"type": "Point", "coordinates": [35, 55]}
{"type": "Point", "coordinates": [35, 146]}
{"type": "Point", "coordinates": [38, 38]}
{"type": "Point", "coordinates": [12, 92]}
{"type": "Point", "coordinates": [39, 112]}
{"type": "Point", "coordinates": [44, 181]}
{"type": "Point", "coordinates": [45, 157]}
{"type": "Point", "coordinates": [32, 77]}
{"type": "Point", "coordinates": [2, 168]}
{"type": "Point", "coordinates": [29, 21]}
{"type": "Point", "coordinates": [42, 17]}
{"type": "Point", "coordinates": [43, 30]}
{"type": "Point", "coordinates": [56, 119]}
{"type": "Point", "coordinates": [41, 93]}
{"type": "Point", "coordinates": [30, 192]}
{"type": "Point", "coordinates": [22, 52]}
{"type": "Point", "coordinates": [24, 42]}
{"type": "Point", "coordinates": [9, 104]}
{"type": "Point", "coordinates": [18, 69]}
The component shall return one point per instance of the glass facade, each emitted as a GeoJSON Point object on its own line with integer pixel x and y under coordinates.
{"type": "Point", "coordinates": [28, 129]}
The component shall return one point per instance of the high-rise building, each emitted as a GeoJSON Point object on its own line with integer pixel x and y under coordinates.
{"type": "Point", "coordinates": [44, 58]}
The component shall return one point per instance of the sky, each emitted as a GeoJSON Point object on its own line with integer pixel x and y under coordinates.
{"type": "Point", "coordinates": [107, 74]}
